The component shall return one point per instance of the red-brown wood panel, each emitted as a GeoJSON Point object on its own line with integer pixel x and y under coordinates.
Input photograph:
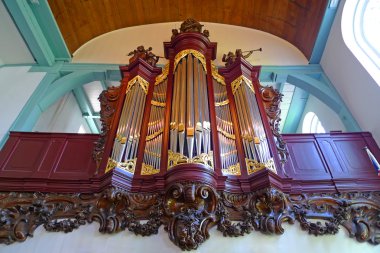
{"type": "Point", "coordinates": [25, 158]}
{"type": "Point", "coordinates": [306, 160]}
{"type": "Point", "coordinates": [345, 155]}
{"type": "Point", "coordinates": [48, 155]}
{"type": "Point", "coordinates": [75, 161]}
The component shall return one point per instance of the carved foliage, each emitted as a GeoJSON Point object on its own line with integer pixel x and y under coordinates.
{"type": "Point", "coordinates": [22, 213]}
{"type": "Point", "coordinates": [108, 100]}
{"type": "Point", "coordinates": [190, 208]}
{"type": "Point", "coordinates": [264, 211]}
{"type": "Point", "coordinates": [114, 210]}
{"type": "Point", "coordinates": [272, 99]}
{"type": "Point", "coordinates": [359, 213]}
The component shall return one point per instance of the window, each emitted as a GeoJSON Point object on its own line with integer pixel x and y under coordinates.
{"type": "Point", "coordinates": [312, 124]}
{"type": "Point", "coordinates": [360, 30]}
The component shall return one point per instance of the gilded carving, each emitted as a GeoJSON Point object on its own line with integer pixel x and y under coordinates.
{"type": "Point", "coordinates": [148, 170]}
{"type": "Point", "coordinates": [253, 166]}
{"type": "Point", "coordinates": [154, 135]}
{"type": "Point", "coordinates": [216, 75]}
{"type": "Point", "coordinates": [160, 78]}
{"type": "Point", "coordinates": [139, 80]}
{"type": "Point", "coordinates": [195, 53]}
{"type": "Point", "coordinates": [225, 102]}
{"type": "Point", "coordinates": [128, 166]}
{"type": "Point", "coordinates": [232, 170]}
{"type": "Point", "coordinates": [158, 104]}
{"type": "Point", "coordinates": [228, 135]}
{"type": "Point", "coordinates": [176, 159]}
{"type": "Point", "coordinates": [235, 84]}
{"type": "Point", "coordinates": [111, 164]}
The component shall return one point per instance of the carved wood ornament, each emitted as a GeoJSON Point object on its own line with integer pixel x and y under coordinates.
{"type": "Point", "coordinates": [219, 167]}
{"type": "Point", "coordinates": [188, 210]}
{"type": "Point", "coordinates": [272, 99]}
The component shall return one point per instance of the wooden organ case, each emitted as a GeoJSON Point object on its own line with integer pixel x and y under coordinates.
{"type": "Point", "coordinates": [190, 121]}
{"type": "Point", "coordinates": [189, 146]}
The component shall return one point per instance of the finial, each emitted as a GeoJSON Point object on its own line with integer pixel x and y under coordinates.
{"type": "Point", "coordinates": [145, 54]}
{"type": "Point", "coordinates": [190, 25]}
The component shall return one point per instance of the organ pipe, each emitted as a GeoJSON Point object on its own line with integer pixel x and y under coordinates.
{"type": "Point", "coordinates": [182, 133]}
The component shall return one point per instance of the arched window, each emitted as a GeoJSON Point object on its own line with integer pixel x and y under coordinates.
{"type": "Point", "coordinates": [312, 124]}
{"type": "Point", "coordinates": [360, 29]}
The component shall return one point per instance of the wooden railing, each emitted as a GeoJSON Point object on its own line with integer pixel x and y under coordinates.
{"type": "Point", "coordinates": [63, 162]}
{"type": "Point", "coordinates": [335, 159]}
{"type": "Point", "coordinates": [39, 161]}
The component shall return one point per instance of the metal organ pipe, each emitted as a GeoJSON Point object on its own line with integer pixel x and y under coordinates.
{"type": "Point", "coordinates": [189, 112]}
{"type": "Point", "coordinates": [152, 152]}
{"type": "Point", "coordinates": [229, 158]}
{"type": "Point", "coordinates": [254, 139]}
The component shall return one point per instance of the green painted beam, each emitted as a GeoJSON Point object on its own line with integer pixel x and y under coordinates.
{"type": "Point", "coordinates": [279, 73]}
{"type": "Point", "coordinates": [50, 29]}
{"type": "Point", "coordinates": [296, 109]}
{"type": "Point", "coordinates": [86, 109]}
{"type": "Point", "coordinates": [67, 83]}
{"type": "Point", "coordinates": [31, 31]}
{"type": "Point", "coordinates": [327, 95]}
{"type": "Point", "coordinates": [104, 85]}
{"type": "Point", "coordinates": [324, 31]}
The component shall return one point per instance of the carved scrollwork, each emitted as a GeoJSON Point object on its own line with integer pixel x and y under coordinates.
{"type": "Point", "coordinates": [272, 99]}
{"type": "Point", "coordinates": [272, 209]}
{"type": "Point", "coordinates": [188, 210]}
{"type": "Point", "coordinates": [177, 158]}
{"type": "Point", "coordinates": [263, 211]}
{"type": "Point", "coordinates": [191, 208]}
{"type": "Point", "coordinates": [108, 99]}
{"type": "Point", "coordinates": [359, 213]}
{"type": "Point", "coordinates": [22, 213]}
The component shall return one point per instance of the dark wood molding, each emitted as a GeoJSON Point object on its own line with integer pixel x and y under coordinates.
{"type": "Point", "coordinates": [272, 99]}
{"type": "Point", "coordinates": [188, 209]}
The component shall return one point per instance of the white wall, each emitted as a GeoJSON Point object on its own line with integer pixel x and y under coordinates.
{"type": "Point", "coordinates": [88, 240]}
{"type": "Point", "coordinates": [113, 47]}
{"type": "Point", "coordinates": [63, 116]}
{"type": "Point", "coordinates": [329, 119]}
{"type": "Point", "coordinates": [357, 88]}
{"type": "Point", "coordinates": [16, 85]}
{"type": "Point", "coordinates": [12, 46]}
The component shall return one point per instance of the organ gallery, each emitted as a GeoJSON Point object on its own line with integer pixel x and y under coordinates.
{"type": "Point", "coordinates": [189, 145]}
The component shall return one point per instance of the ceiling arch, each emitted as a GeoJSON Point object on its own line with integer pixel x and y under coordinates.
{"type": "Point", "coordinates": [113, 47]}
{"type": "Point", "coordinates": [297, 21]}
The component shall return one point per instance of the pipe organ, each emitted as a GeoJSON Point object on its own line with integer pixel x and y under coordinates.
{"type": "Point", "coordinates": [189, 146]}
{"type": "Point", "coordinates": [190, 116]}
